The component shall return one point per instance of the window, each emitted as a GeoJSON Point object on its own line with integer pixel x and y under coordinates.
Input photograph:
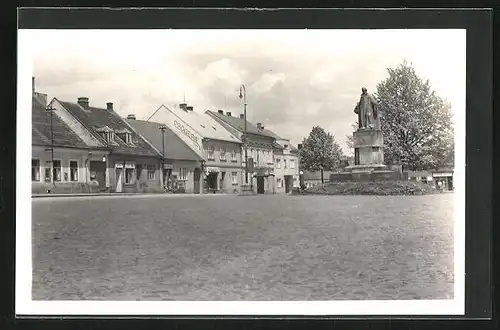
{"type": "Point", "coordinates": [258, 156]}
{"type": "Point", "coordinates": [183, 173]}
{"type": "Point", "coordinates": [35, 170]}
{"type": "Point", "coordinates": [151, 172]}
{"type": "Point", "coordinates": [129, 175]}
{"type": "Point", "coordinates": [48, 176]}
{"type": "Point", "coordinates": [234, 178]}
{"type": "Point", "coordinates": [292, 164]}
{"type": "Point", "coordinates": [109, 136]}
{"type": "Point", "coordinates": [233, 156]}
{"type": "Point", "coordinates": [73, 170]}
{"type": "Point", "coordinates": [280, 183]}
{"type": "Point", "coordinates": [375, 149]}
{"type": "Point", "coordinates": [211, 151]}
{"type": "Point", "coordinates": [126, 137]}
{"type": "Point", "coordinates": [278, 163]}
{"type": "Point", "coordinates": [222, 154]}
{"type": "Point", "coordinates": [284, 163]}
{"type": "Point", "coordinates": [57, 170]}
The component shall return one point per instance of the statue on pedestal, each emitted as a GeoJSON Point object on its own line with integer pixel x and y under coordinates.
{"type": "Point", "coordinates": [367, 111]}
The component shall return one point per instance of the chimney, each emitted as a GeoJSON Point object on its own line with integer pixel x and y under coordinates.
{"type": "Point", "coordinates": [242, 116]}
{"type": "Point", "coordinates": [33, 84]}
{"type": "Point", "coordinates": [109, 105]}
{"type": "Point", "coordinates": [228, 114]}
{"type": "Point", "coordinates": [189, 108]}
{"type": "Point", "coordinates": [183, 106]}
{"type": "Point", "coordinates": [221, 112]}
{"type": "Point", "coordinates": [83, 102]}
{"type": "Point", "coordinates": [131, 116]}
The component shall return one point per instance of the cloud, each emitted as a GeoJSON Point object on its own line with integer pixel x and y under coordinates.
{"type": "Point", "coordinates": [295, 79]}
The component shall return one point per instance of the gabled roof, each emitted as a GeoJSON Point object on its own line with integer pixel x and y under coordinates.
{"type": "Point", "coordinates": [203, 124]}
{"type": "Point", "coordinates": [63, 135]}
{"type": "Point", "coordinates": [239, 124]}
{"type": "Point", "coordinates": [97, 119]}
{"type": "Point", "coordinates": [175, 148]}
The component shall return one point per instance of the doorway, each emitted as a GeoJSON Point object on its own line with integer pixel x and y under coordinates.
{"type": "Point", "coordinates": [288, 183]}
{"type": "Point", "coordinates": [221, 183]}
{"type": "Point", "coordinates": [98, 173]}
{"type": "Point", "coordinates": [212, 181]}
{"type": "Point", "coordinates": [260, 184]}
{"type": "Point", "coordinates": [119, 180]}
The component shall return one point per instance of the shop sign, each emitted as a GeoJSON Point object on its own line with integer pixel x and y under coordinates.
{"type": "Point", "coordinates": [129, 165]}
{"type": "Point", "coordinates": [119, 165]}
{"type": "Point", "coordinates": [442, 175]}
{"type": "Point", "coordinates": [168, 166]}
{"type": "Point", "coordinates": [213, 169]}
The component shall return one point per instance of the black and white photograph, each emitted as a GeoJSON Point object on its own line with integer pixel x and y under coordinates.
{"type": "Point", "coordinates": [242, 171]}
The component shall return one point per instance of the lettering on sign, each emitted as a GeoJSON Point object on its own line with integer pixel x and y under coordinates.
{"type": "Point", "coordinates": [187, 133]}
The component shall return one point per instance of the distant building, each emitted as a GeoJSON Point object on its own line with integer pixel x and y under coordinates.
{"type": "Point", "coordinates": [260, 147]}
{"type": "Point", "coordinates": [132, 164]}
{"type": "Point", "coordinates": [441, 178]}
{"type": "Point", "coordinates": [181, 165]}
{"type": "Point", "coordinates": [212, 142]}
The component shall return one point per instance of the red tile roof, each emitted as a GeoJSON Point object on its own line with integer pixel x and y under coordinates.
{"type": "Point", "coordinates": [97, 118]}
{"type": "Point", "coordinates": [41, 129]}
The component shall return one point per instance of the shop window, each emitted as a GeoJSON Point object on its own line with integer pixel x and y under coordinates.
{"type": "Point", "coordinates": [129, 175]}
{"type": "Point", "coordinates": [151, 172]}
{"type": "Point", "coordinates": [57, 170]}
{"type": "Point", "coordinates": [47, 174]}
{"type": "Point", "coordinates": [234, 178]}
{"type": "Point", "coordinates": [183, 173]}
{"type": "Point", "coordinates": [73, 170]}
{"type": "Point", "coordinates": [279, 183]}
{"type": "Point", "coordinates": [35, 170]}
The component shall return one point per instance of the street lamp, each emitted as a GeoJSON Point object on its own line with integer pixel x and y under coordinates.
{"type": "Point", "coordinates": [162, 128]}
{"type": "Point", "coordinates": [51, 109]}
{"type": "Point", "coordinates": [243, 95]}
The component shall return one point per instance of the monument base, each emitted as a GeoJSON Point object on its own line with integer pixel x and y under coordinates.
{"type": "Point", "coordinates": [363, 173]}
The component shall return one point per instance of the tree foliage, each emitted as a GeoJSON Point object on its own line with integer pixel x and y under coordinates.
{"type": "Point", "coordinates": [416, 123]}
{"type": "Point", "coordinates": [320, 151]}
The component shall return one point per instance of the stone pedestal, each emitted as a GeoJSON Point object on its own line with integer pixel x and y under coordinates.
{"type": "Point", "coordinates": [368, 147]}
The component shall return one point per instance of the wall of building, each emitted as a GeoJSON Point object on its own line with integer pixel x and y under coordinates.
{"type": "Point", "coordinates": [291, 170]}
{"type": "Point", "coordinates": [82, 184]}
{"type": "Point", "coordinates": [139, 181]}
{"type": "Point", "coordinates": [189, 167]}
{"type": "Point", "coordinates": [228, 165]}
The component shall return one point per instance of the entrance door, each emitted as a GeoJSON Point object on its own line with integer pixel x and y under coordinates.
{"type": "Point", "coordinates": [260, 185]}
{"type": "Point", "coordinates": [98, 173]}
{"type": "Point", "coordinates": [197, 177]}
{"type": "Point", "coordinates": [287, 184]}
{"type": "Point", "coordinates": [119, 179]}
{"type": "Point", "coordinates": [212, 181]}
{"type": "Point", "coordinates": [221, 183]}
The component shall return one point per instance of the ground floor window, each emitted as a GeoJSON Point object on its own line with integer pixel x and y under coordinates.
{"type": "Point", "coordinates": [129, 175]}
{"type": "Point", "coordinates": [57, 170]}
{"type": "Point", "coordinates": [35, 170]}
{"type": "Point", "coordinates": [151, 172]}
{"type": "Point", "coordinates": [183, 174]}
{"type": "Point", "coordinates": [73, 170]}
{"type": "Point", "coordinates": [279, 183]}
{"type": "Point", "coordinates": [234, 178]}
{"type": "Point", "coordinates": [138, 171]}
{"type": "Point", "coordinates": [48, 176]}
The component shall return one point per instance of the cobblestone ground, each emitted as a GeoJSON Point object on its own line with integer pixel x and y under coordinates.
{"type": "Point", "coordinates": [243, 248]}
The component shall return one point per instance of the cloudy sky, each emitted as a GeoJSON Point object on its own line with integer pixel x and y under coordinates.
{"type": "Point", "coordinates": [295, 79]}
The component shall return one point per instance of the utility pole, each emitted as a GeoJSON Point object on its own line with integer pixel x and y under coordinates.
{"type": "Point", "coordinates": [51, 109]}
{"type": "Point", "coordinates": [243, 95]}
{"type": "Point", "coordinates": [162, 128]}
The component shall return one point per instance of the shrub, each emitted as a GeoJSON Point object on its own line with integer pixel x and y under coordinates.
{"type": "Point", "coordinates": [179, 190]}
{"type": "Point", "coordinates": [405, 188]}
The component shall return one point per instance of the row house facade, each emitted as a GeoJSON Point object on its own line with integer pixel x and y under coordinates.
{"type": "Point", "coordinates": [218, 149]}
{"type": "Point", "coordinates": [181, 165]}
{"type": "Point", "coordinates": [286, 165]}
{"type": "Point", "coordinates": [260, 147]}
{"type": "Point", "coordinates": [130, 163]}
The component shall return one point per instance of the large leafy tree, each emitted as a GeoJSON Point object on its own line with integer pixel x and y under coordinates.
{"type": "Point", "coordinates": [320, 151]}
{"type": "Point", "coordinates": [416, 123]}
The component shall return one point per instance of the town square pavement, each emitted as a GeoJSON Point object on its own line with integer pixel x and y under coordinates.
{"type": "Point", "coordinates": [277, 247]}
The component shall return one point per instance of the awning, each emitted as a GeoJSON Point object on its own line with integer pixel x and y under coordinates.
{"type": "Point", "coordinates": [168, 166]}
{"type": "Point", "coordinates": [441, 175]}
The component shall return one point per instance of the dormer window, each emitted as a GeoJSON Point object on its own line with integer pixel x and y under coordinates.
{"type": "Point", "coordinates": [126, 137]}
{"type": "Point", "coordinates": [107, 133]}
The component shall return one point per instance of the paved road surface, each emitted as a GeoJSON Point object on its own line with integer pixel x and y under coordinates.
{"type": "Point", "coordinates": [243, 248]}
